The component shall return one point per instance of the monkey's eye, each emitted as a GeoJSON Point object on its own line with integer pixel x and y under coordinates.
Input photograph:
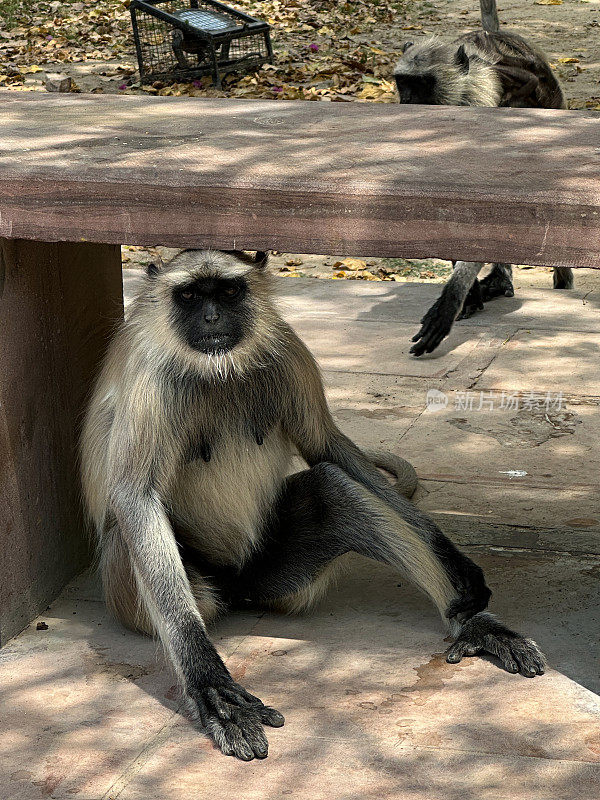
{"type": "Point", "coordinates": [231, 291]}
{"type": "Point", "coordinates": [187, 294]}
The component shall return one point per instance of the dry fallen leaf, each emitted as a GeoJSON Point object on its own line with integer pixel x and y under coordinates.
{"type": "Point", "coordinates": [351, 264]}
{"type": "Point", "coordinates": [548, 2]}
{"type": "Point", "coordinates": [568, 60]}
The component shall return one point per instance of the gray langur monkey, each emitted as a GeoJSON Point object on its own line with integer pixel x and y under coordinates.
{"type": "Point", "coordinates": [205, 397]}
{"type": "Point", "coordinates": [477, 69]}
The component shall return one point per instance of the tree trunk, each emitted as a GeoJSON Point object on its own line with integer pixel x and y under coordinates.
{"type": "Point", "coordinates": [489, 16]}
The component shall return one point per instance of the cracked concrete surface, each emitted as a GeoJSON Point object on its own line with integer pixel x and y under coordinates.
{"type": "Point", "coordinates": [89, 710]}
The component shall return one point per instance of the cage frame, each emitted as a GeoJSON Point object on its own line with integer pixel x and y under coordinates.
{"type": "Point", "coordinates": [251, 27]}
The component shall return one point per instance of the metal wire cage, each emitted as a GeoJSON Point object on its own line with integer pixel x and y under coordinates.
{"type": "Point", "coordinates": [175, 40]}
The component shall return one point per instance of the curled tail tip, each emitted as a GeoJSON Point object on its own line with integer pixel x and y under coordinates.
{"type": "Point", "coordinates": [404, 472]}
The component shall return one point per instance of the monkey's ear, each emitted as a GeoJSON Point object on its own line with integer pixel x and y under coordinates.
{"type": "Point", "coordinates": [406, 45]}
{"type": "Point", "coordinates": [461, 59]}
{"type": "Point", "coordinates": [261, 258]}
{"type": "Point", "coordinates": [258, 260]}
{"type": "Point", "coordinates": [152, 270]}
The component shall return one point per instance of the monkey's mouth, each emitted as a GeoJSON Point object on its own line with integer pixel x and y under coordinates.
{"type": "Point", "coordinates": [211, 345]}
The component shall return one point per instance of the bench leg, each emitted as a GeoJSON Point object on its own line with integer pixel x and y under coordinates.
{"type": "Point", "coordinates": [59, 303]}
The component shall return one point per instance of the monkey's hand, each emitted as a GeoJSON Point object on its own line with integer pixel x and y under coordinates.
{"type": "Point", "coordinates": [484, 632]}
{"type": "Point", "coordinates": [437, 322]}
{"type": "Point", "coordinates": [234, 718]}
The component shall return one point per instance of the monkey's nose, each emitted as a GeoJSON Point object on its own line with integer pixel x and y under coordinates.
{"type": "Point", "coordinates": [210, 313]}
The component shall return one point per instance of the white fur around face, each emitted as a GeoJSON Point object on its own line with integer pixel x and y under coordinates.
{"type": "Point", "coordinates": [149, 320]}
{"type": "Point", "coordinates": [479, 86]}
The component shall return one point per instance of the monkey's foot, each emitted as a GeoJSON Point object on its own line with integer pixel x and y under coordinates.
{"type": "Point", "coordinates": [473, 301]}
{"type": "Point", "coordinates": [234, 719]}
{"type": "Point", "coordinates": [484, 633]}
{"type": "Point", "coordinates": [496, 284]}
{"type": "Point", "coordinates": [563, 278]}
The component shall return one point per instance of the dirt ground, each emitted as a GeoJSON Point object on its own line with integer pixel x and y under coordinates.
{"type": "Point", "coordinates": [341, 51]}
{"type": "Point", "coordinates": [567, 30]}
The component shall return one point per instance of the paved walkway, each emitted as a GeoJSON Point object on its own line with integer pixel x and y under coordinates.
{"type": "Point", "coordinates": [88, 710]}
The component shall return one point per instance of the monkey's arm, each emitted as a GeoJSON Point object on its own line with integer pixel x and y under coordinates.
{"type": "Point", "coordinates": [438, 321]}
{"type": "Point", "coordinates": [141, 467]}
{"type": "Point", "coordinates": [516, 83]}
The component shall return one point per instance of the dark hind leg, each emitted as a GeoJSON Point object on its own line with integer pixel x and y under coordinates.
{"type": "Point", "coordinates": [498, 283]}
{"type": "Point", "coordinates": [563, 278]}
{"type": "Point", "coordinates": [324, 514]}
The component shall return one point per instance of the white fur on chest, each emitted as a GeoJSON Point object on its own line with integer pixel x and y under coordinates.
{"type": "Point", "coordinates": [222, 504]}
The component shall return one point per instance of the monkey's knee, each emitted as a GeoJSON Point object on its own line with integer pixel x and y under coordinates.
{"type": "Point", "coordinates": [207, 598]}
{"type": "Point", "coordinates": [326, 473]}
{"type": "Point", "coordinates": [340, 499]}
{"type": "Point", "coordinates": [119, 585]}
{"type": "Point", "coordinates": [124, 602]}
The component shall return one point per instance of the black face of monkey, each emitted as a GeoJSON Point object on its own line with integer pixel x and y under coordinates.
{"type": "Point", "coordinates": [416, 88]}
{"type": "Point", "coordinates": [212, 314]}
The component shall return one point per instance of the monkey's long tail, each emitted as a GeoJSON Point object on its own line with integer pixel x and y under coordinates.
{"type": "Point", "coordinates": [402, 470]}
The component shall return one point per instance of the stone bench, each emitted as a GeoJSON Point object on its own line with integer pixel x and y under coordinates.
{"type": "Point", "coordinates": [81, 175]}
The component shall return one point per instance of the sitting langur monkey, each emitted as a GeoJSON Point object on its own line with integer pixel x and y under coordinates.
{"type": "Point", "coordinates": [478, 69]}
{"type": "Point", "coordinates": [205, 397]}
